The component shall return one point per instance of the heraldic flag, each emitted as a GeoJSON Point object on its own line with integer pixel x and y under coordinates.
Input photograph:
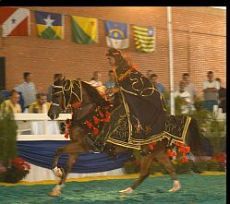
{"type": "Point", "coordinates": [117, 35]}
{"type": "Point", "coordinates": [14, 21]}
{"type": "Point", "coordinates": [84, 30]}
{"type": "Point", "coordinates": [49, 25]}
{"type": "Point", "coordinates": [144, 38]}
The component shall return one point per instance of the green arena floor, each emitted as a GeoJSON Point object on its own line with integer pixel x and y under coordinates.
{"type": "Point", "coordinates": [205, 189]}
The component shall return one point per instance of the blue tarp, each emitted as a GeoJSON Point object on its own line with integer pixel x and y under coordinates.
{"type": "Point", "coordinates": [41, 153]}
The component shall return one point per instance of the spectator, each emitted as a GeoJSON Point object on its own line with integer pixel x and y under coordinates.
{"type": "Point", "coordinates": [96, 79]}
{"type": "Point", "coordinates": [222, 96]}
{"type": "Point", "coordinates": [12, 104]}
{"type": "Point", "coordinates": [157, 85]}
{"type": "Point", "coordinates": [148, 74]}
{"type": "Point", "coordinates": [111, 81]}
{"type": "Point", "coordinates": [210, 89]}
{"type": "Point", "coordinates": [40, 105]}
{"type": "Point", "coordinates": [27, 89]}
{"type": "Point", "coordinates": [55, 77]}
{"type": "Point", "coordinates": [110, 85]}
{"type": "Point", "coordinates": [189, 86]}
{"type": "Point", "coordinates": [187, 105]}
{"type": "Point", "coordinates": [97, 83]}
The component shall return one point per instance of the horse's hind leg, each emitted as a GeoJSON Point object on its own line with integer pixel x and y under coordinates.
{"type": "Point", "coordinates": [163, 159]}
{"type": "Point", "coordinates": [146, 162]}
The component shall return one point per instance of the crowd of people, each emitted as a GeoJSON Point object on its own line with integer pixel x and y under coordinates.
{"type": "Point", "coordinates": [24, 97]}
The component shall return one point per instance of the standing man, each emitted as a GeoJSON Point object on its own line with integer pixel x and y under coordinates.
{"type": "Point", "coordinates": [187, 105]}
{"type": "Point", "coordinates": [210, 89]}
{"type": "Point", "coordinates": [148, 74]}
{"type": "Point", "coordinates": [189, 86]}
{"type": "Point", "coordinates": [110, 85]}
{"type": "Point", "coordinates": [222, 96]}
{"type": "Point", "coordinates": [156, 84]}
{"type": "Point", "coordinates": [27, 89]}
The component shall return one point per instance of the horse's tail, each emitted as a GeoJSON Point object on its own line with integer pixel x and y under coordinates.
{"type": "Point", "coordinates": [199, 144]}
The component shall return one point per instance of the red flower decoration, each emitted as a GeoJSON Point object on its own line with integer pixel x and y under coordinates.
{"type": "Point", "coordinates": [152, 146]}
{"type": "Point", "coordinates": [184, 160]}
{"type": "Point", "coordinates": [96, 120]}
{"type": "Point", "coordinates": [171, 153]}
{"type": "Point", "coordinates": [95, 131]}
{"type": "Point", "coordinates": [89, 124]}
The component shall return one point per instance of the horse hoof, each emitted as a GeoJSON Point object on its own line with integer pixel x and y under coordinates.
{"type": "Point", "coordinates": [127, 190]}
{"type": "Point", "coordinates": [55, 193]}
{"type": "Point", "coordinates": [176, 186]}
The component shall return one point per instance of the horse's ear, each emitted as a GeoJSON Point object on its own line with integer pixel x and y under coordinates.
{"type": "Point", "coordinates": [63, 78]}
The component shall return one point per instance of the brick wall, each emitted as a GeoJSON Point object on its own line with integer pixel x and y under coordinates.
{"type": "Point", "coordinates": [199, 36]}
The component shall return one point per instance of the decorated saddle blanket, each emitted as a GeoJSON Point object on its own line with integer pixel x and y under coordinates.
{"type": "Point", "coordinates": [121, 132]}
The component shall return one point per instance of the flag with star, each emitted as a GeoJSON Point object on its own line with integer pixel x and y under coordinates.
{"type": "Point", "coordinates": [84, 30]}
{"type": "Point", "coordinates": [116, 34]}
{"type": "Point", "coordinates": [144, 38]}
{"type": "Point", "coordinates": [14, 21]}
{"type": "Point", "coordinates": [49, 25]}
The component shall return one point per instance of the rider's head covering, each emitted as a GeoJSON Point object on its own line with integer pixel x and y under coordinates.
{"type": "Point", "coordinates": [112, 52]}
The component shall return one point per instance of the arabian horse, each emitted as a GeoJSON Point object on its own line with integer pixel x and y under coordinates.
{"type": "Point", "coordinates": [83, 99]}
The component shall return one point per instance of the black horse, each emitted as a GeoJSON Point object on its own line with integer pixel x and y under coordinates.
{"type": "Point", "coordinates": [84, 100]}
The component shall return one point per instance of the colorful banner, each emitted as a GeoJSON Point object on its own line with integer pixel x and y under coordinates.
{"type": "Point", "coordinates": [84, 30]}
{"type": "Point", "coordinates": [14, 21]}
{"type": "Point", "coordinates": [117, 35]}
{"type": "Point", "coordinates": [49, 25]}
{"type": "Point", "coordinates": [144, 38]}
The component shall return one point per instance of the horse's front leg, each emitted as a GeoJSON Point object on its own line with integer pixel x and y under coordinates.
{"type": "Point", "coordinates": [146, 162]}
{"type": "Point", "coordinates": [57, 155]}
{"type": "Point", "coordinates": [64, 173]}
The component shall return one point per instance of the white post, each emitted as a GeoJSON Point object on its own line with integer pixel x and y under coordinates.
{"type": "Point", "coordinates": [171, 72]}
{"type": "Point", "coordinates": [45, 122]}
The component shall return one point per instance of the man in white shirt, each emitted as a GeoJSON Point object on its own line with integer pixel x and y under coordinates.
{"type": "Point", "coordinates": [185, 95]}
{"type": "Point", "coordinates": [210, 89]}
{"type": "Point", "coordinates": [189, 86]}
{"type": "Point", "coordinates": [27, 89]}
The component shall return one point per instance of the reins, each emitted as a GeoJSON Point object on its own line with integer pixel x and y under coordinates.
{"type": "Point", "coordinates": [69, 86]}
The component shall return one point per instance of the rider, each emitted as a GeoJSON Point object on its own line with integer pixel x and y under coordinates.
{"type": "Point", "coordinates": [141, 116]}
{"type": "Point", "coordinates": [143, 100]}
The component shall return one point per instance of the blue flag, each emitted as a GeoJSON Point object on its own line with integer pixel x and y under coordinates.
{"type": "Point", "coordinates": [117, 35]}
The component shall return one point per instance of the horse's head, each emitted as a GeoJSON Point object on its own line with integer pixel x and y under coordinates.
{"type": "Point", "coordinates": [56, 99]}
{"type": "Point", "coordinates": [65, 94]}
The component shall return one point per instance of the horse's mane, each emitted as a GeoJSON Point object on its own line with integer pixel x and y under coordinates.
{"type": "Point", "coordinates": [94, 94]}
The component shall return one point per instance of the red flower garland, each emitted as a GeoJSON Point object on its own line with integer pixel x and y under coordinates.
{"type": "Point", "coordinates": [104, 118]}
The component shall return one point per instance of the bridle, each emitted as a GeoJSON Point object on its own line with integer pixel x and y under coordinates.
{"type": "Point", "coordinates": [71, 86]}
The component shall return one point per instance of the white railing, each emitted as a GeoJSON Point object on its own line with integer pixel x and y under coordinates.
{"type": "Point", "coordinates": [27, 121]}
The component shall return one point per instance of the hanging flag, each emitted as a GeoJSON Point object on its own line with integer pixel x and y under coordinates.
{"type": "Point", "coordinates": [14, 21]}
{"type": "Point", "coordinates": [84, 30]}
{"type": "Point", "coordinates": [144, 38]}
{"type": "Point", "coordinates": [49, 25]}
{"type": "Point", "coordinates": [117, 35]}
